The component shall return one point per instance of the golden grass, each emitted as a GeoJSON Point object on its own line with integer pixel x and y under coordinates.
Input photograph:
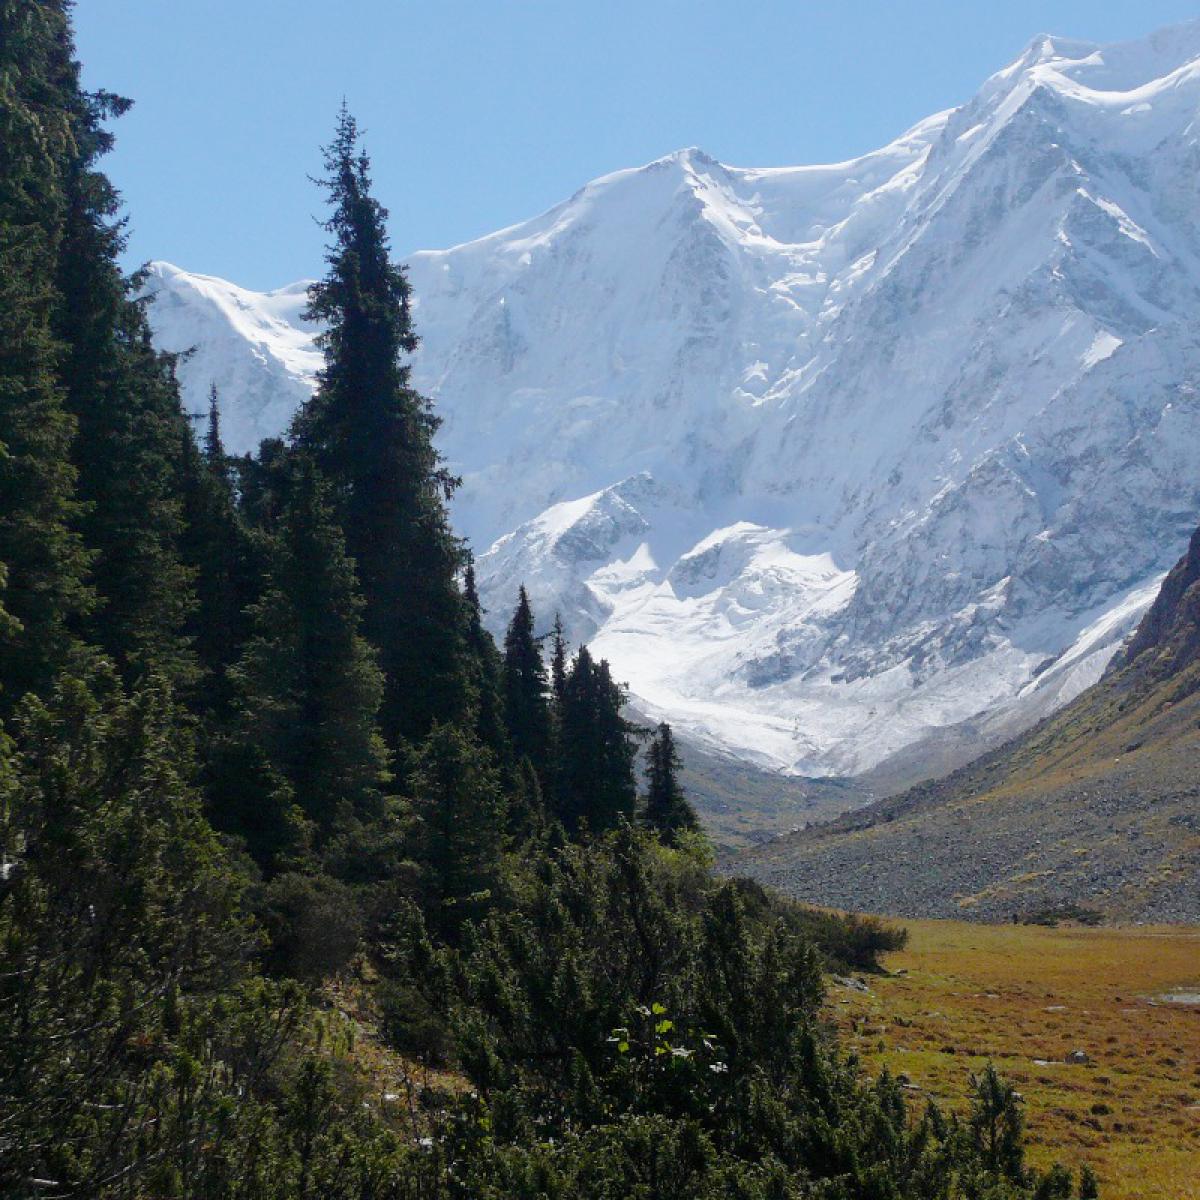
{"type": "Point", "coordinates": [961, 994]}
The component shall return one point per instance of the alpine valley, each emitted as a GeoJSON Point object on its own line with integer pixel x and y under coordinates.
{"type": "Point", "coordinates": [852, 468]}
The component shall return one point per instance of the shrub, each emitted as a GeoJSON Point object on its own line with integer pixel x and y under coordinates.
{"type": "Point", "coordinates": [314, 925]}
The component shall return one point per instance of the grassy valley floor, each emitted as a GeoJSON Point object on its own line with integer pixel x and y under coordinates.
{"type": "Point", "coordinates": [1026, 997]}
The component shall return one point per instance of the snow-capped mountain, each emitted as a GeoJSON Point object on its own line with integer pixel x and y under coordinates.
{"type": "Point", "coordinates": [824, 459]}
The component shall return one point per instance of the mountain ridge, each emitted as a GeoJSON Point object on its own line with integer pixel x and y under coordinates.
{"type": "Point", "coordinates": [832, 461]}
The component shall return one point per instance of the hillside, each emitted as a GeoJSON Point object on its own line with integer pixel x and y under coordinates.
{"type": "Point", "coordinates": [836, 464]}
{"type": "Point", "coordinates": [1098, 806]}
{"type": "Point", "coordinates": [742, 805]}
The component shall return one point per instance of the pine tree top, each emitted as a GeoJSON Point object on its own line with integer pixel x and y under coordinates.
{"type": "Point", "coordinates": [214, 448]}
{"type": "Point", "coordinates": [359, 253]}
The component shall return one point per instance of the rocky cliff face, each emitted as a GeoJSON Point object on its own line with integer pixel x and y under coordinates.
{"type": "Point", "coordinates": [1167, 641]}
{"type": "Point", "coordinates": [826, 460]}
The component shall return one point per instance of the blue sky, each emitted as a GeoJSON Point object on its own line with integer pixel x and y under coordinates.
{"type": "Point", "coordinates": [480, 113]}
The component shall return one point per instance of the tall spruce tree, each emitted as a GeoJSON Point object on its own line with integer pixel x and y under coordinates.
{"type": "Point", "coordinates": [45, 591]}
{"type": "Point", "coordinates": [462, 817]}
{"type": "Point", "coordinates": [554, 781]}
{"type": "Point", "coordinates": [224, 558]}
{"type": "Point", "coordinates": [488, 668]}
{"type": "Point", "coordinates": [308, 691]}
{"type": "Point", "coordinates": [596, 783]}
{"type": "Point", "coordinates": [125, 399]}
{"type": "Point", "coordinates": [526, 707]}
{"type": "Point", "coordinates": [259, 482]}
{"type": "Point", "coordinates": [666, 808]}
{"type": "Point", "coordinates": [558, 661]}
{"type": "Point", "coordinates": [372, 433]}
{"type": "Point", "coordinates": [214, 448]}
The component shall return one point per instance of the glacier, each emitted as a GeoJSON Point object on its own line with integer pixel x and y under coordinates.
{"type": "Point", "coordinates": [835, 464]}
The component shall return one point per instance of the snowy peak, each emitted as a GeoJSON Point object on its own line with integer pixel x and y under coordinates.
{"type": "Point", "coordinates": [828, 459]}
{"type": "Point", "coordinates": [1113, 68]}
{"type": "Point", "coordinates": [255, 347]}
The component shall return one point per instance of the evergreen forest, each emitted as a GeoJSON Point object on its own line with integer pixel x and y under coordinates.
{"type": "Point", "coordinates": [309, 889]}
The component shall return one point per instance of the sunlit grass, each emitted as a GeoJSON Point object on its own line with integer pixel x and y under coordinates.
{"type": "Point", "coordinates": [1021, 996]}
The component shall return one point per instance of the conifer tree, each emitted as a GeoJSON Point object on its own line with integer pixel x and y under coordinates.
{"type": "Point", "coordinates": [220, 551]}
{"type": "Point", "coordinates": [308, 690]}
{"type": "Point", "coordinates": [259, 482]}
{"type": "Point", "coordinates": [553, 787]}
{"type": "Point", "coordinates": [615, 739]}
{"type": "Point", "coordinates": [372, 433]}
{"type": "Point", "coordinates": [125, 399]}
{"type": "Point", "coordinates": [666, 809]}
{"type": "Point", "coordinates": [461, 810]}
{"type": "Point", "coordinates": [214, 448]}
{"type": "Point", "coordinates": [527, 711]}
{"type": "Point", "coordinates": [488, 666]}
{"type": "Point", "coordinates": [597, 787]}
{"type": "Point", "coordinates": [526, 804]}
{"type": "Point", "coordinates": [46, 592]}
{"type": "Point", "coordinates": [996, 1123]}
{"type": "Point", "coordinates": [558, 661]}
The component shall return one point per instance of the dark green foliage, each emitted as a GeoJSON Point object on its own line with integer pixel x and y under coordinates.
{"type": "Point", "coordinates": [643, 1158]}
{"type": "Point", "coordinates": [372, 436]}
{"type": "Point", "coordinates": [140, 1056]}
{"type": "Point", "coordinates": [635, 1027]}
{"type": "Point", "coordinates": [9, 626]}
{"type": "Point", "coordinates": [215, 457]}
{"type": "Point", "coordinates": [117, 906]}
{"type": "Point", "coordinates": [314, 925]}
{"type": "Point", "coordinates": [460, 832]}
{"type": "Point", "coordinates": [125, 400]}
{"type": "Point", "coordinates": [224, 560]}
{"type": "Point", "coordinates": [1057, 1185]}
{"type": "Point", "coordinates": [45, 591]}
{"type": "Point", "coordinates": [526, 707]}
{"type": "Point", "coordinates": [488, 667]}
{"type": "Point", "coordinates": [1053, 915]}
{"type": "Point", "coordinates": [307, 692]}
{"type": "Point", "coordinates": [261, 482]}
{"type": "Point", "coordinates": [996, 1126]}
{"type": "Point", "coordinates": [595, 786]}
{"type": "Point", "coordinates": [600, 928]}
{"type": "Point", "coordinates": [555, 783]}
{"type": "Point", "coordinates": [250, 800]}
{"type": "Point", "coordinates": [558, 661]}
{"type": "Point", "coordinates": [527, 811]}
{"type": "Point", "coordinates": [628, 978]}
{"type": "Point", "coordinates": [847, 941]}
{"type": "Point", "coordinates": [416, 992]}
{"type": "Point", "coordinates": [666, 808]}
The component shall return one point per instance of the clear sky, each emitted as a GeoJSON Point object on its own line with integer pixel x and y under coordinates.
{"type": "Point", "coordinates": [480, 113]}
